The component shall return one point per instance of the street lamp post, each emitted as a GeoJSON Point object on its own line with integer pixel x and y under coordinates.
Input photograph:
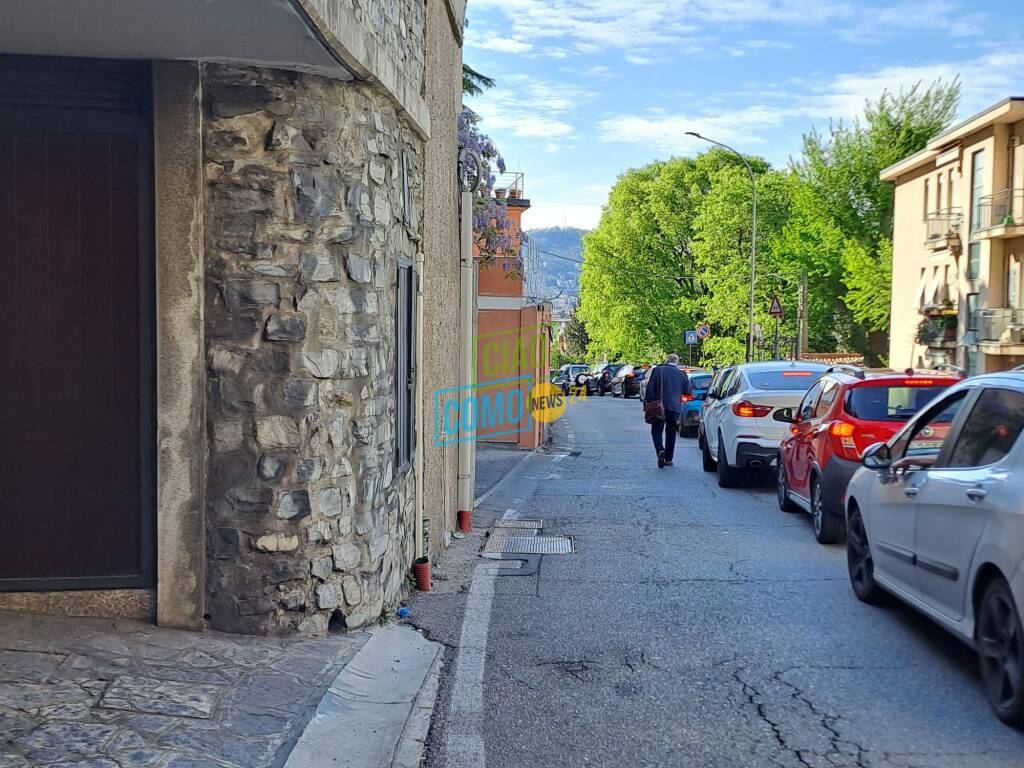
{"type": "Point", "coordinates": [753, 238]}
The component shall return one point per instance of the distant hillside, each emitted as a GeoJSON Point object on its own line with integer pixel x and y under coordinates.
{"type": "Point", "coordinates": [560, 274]}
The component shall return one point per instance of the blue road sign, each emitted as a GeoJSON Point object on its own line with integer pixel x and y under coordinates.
{"type": "Point", "coordinates": [691, 337]}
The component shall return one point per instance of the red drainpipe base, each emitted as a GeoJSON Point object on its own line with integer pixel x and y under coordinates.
{"type": "Point", "coordinates": [465, 521]}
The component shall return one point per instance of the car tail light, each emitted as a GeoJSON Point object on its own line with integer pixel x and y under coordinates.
{"type": "Point", "coordinates": [842, 433]}
{"type": "Point", "coordinates": [630, 375]}
{"type": "Point", "coordinates": [919, 382]}
{"type": "Point", "coordinates": [750, 410]}
{"type": "Point", "coordinates": [687, 398]}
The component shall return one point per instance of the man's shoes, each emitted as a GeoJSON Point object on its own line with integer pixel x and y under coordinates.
{"type": "Point", "coordinates": [668, 463]}
{"type": "Point", "coordinates": [661, 459]}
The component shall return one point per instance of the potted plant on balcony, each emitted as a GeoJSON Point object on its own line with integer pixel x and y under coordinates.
{"type": "Point", "coordinates": [929, 330]}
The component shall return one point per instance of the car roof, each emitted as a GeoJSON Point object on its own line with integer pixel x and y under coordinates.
{"type": "Point", "coordinates": [782, 365]}
{"type": "Point", "coordinates": [854, 375]}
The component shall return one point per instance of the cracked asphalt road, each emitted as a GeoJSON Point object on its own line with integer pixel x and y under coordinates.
{"type": "Point", "coordinates": [695, 626]}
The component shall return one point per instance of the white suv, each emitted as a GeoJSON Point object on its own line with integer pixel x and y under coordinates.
{"type": "Point", "coordinates": [739, 430]}
{"type": "Point", "coordinates": [936, 518]}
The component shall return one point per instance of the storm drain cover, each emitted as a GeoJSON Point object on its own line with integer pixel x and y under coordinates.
{"type": "Point", "coordinates": [538, 524]}
{"type": "Point", "coordinates": [528, 545]}
{"type": "Point", "coordinates": [505, 565]}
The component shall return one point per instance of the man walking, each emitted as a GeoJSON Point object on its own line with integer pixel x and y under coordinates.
{"type": "Point", "coordinates": [667, 383]}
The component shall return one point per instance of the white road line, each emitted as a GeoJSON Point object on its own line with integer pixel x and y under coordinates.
{"type": "Point", "coordinates": [464, 740]}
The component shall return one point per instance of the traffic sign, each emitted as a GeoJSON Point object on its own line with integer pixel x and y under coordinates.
{"type": "Point", "coordinates": [776, 308]}
{"type": "Point", "coordinates": [691, 337]}
{"type": "Point", "coordinates": [703, 331]}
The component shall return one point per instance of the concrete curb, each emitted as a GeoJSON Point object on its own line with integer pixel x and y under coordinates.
{"type": "Point", "coordinates": [501, 483]}
{"type": "Point", "coordinates": [377, 710]}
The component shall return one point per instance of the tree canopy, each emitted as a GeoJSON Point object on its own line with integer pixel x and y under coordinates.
{"type": "Point", "coordinates": [672, 248]}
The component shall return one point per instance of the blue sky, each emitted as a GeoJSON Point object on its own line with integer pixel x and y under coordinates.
{"type": "Point", "coordinates": [589, 88]}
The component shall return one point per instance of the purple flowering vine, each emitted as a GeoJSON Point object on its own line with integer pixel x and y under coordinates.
{"type": "Point", "coordinates": [492, 227]}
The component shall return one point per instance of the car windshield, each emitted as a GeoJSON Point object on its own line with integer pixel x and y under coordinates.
{"type": "Point", "coordinates": [613, 369]}
{"type": "Point", "coordinates": [700, 381]}
{"type": "Point", "coordinates": [889, 403]}
{"type": "Point", "coordinates": [576, 369]}
{"type": "Point", "coordinates": [787, 379]}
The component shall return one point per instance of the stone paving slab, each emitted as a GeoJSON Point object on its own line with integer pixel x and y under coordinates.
{"type": "Point", "coordinates": [121, 694]}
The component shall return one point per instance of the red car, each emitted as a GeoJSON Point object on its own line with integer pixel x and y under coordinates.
{"type": "Point", "coordinates": [843, 413]}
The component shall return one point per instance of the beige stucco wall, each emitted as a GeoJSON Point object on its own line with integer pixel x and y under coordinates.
{"type": "Point", "coordinates": [440, 279]}
{"type": "Point", "coordinates": [911, 257]}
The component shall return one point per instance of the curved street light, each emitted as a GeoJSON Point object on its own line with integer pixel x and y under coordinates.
{"type": "Point", "coordinates": [753, 238]}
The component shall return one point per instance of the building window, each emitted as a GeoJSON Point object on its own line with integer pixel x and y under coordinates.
{"type": "Point", "coordinates": [938, 193]}
{"type": "Point", "coordinates": [949, 191]}
{"type": "Point", "coordinates": [977, 188]}
{"type": "Point", "coordinates": [973, 261]}
{"type": "Point", "coordinates": [927, 193]}
{"type": "Point", "coordinates": [1013, 282]}
{"type": "Point", "coordinates": [405, 365]}
{"type": "Point", "coordinates": [972, 311]}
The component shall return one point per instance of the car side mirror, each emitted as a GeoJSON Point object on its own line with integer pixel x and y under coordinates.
{"type": "Point", "coordinates": [877, 456]}
{"type": "Point", "coordinates": [785, 415]}
{"type": "Point", "coordinates": [711, 394]}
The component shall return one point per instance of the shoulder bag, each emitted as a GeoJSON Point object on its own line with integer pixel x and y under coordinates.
{"type": "Point", "coordinates": [654, 411]}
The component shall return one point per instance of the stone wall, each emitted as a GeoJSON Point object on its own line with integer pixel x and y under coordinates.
{"type": "Point", "coordinates": [309, 521]}
{"type": "Point", "coordinates": [441, 279]}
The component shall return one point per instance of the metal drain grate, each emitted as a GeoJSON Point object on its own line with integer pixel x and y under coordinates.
{"type": "Point", "coordinates": [508, 523]}
{"type": "Point", "coordinates": [529, 545]}
{"type": "Point", "coordinates": [505, 565]}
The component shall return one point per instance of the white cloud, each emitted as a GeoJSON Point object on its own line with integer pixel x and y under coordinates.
{"type": "Point", "coordinates": [541, 216]}
{"type": "Point", "coordinates": [491, 42]}
{"type": "Point", "coordinates": [985, 80]}
{"type": "Point", "coordinates": [531, 109]}
{"type": "Point", "coordinates": [535, 127]}
{"type": "Point", "coordinates": [639, 61]}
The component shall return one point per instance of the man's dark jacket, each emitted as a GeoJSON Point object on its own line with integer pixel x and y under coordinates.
{"type": "Point", "coordinates": [670, 383]}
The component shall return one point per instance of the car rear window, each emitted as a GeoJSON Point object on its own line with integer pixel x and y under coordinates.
{"type": "Point", "coordinates": [789, 379]}
{"type": "Point", "coordinates": [613, 369]}
{"type": "Point", "coordinates": [700, 382]}
{"type": "Point", "coordinates": [888, 402]}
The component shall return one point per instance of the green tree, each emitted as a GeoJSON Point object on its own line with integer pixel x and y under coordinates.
{"type": "Point", "coordinates": [843, 171]}
{"type": "Point", "coordinates": [474, 83]}
{"type": "Point", "coordinates": [576, 339]}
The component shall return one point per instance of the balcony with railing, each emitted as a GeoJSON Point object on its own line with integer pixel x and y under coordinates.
{"type": "Point", "coordinates": [1001, 215]}
{"type": "Point", "coordinates": [942, 229]}
{"type": "Point", "coordinates": [1000, 331]}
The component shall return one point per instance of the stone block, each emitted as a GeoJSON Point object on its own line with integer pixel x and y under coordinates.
{"type": "Point", "coordinates": [293, 600]}
{"type": "Point", "coordinates": [329, 595]}
{"type": "Point", "coordinates": [378, 546]}
{"type": "Point", "coordinates": [363, 431]}
{"type": "Point", "coordinates": [285, 328]}
{"type": "Point", "coordinates": [300, 393]}
{"type": "Point", "coordinates": [277, 542]}
{"type": "Point", "coordinates": [321, 567]}
{"type": "Point", "coordinates": [312, 469]}
{"type": "Point", "coordinates": [347, 556]}
{"type": "Point", "coordinates": [271, 468]}
{"type": "Point", "coordinates": [315, 625]}
{"type": "Point", "coordinates": [323, 365]}
{"type": "Point", "coordinates": [318, 268]}
{"type": "Point", "coordinates": [353, 364]}
{"type": "Point", "coordinates": [284, 136]}
{"type": "Point", "coordinates": [359, 269]}
{"type": "Point", "coordinates": [250, 501]}
{"type": "Point", "coordinates": [292, 504]}
{"type": "Point", "coordinates": [277, 432]}
{"type": "Point", "coordinates": [227, 436]}
{"type": "Point", "coordinates": [251, 293]}
{"type": "Point", "coordinates": [352, 589]}
{"type": "Point", "coordinates": [320, 532]}
{"type": "Point", "coordinates": [328, 502]}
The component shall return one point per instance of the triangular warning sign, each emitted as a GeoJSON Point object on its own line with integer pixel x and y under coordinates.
{"type": "Point", "coordinates": [776, 309]}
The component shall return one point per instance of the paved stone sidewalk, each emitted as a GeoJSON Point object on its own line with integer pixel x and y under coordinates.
{"type": "Point", "coordinates": [96, 693]}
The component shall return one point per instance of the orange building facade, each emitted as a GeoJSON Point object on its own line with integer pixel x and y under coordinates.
{"type": "Point", "coordinates": [513, 337]}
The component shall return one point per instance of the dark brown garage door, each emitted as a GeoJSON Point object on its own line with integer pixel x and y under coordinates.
{"type": "Point", "coordinates": [76, 341]}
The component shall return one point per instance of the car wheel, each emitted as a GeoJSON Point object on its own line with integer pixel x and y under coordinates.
{"type": "Point", "coordinates": [705, 454]}
{"type": "Point", "coordinates": [859, 563]}
{"type": "Point", "coordinates": [828, 528]}
{"type": "Point", "coordinates": [728, 477]}
{"type": "Point", "coordinates": [782, 489]}
{"type": "Point", "coordinates": [1000, 642]}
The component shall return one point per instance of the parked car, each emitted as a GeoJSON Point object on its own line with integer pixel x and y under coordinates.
{"type": "Point", "coordinates": [935, 518]}
{"type": "Point", "coordinates": [568, 375]}
{"type": "Point", "coordinates": [629, 381]}
{"type": "Point", "coordinates": [845, 411]}
{"type": "Point", "coordinates": [739, 429]}
{"type": "Point", "coordinates": [689, 417]}
{"type": "Point", "coordinates": [600, 381]}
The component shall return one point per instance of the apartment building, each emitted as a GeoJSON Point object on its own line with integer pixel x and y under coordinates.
{"type": "Point", "coordinates": [958, 243]}
{"type": "Point", "coordinates": [514, 332]}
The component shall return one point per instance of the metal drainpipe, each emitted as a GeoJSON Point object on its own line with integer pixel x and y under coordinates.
{"type": "Point", "coordinates": [418, 400]}
{"type": "Point", "coordinates": [467, 443]}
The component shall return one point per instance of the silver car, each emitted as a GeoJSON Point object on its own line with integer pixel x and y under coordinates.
{"type": "Point", "coordinates": [936, 518]}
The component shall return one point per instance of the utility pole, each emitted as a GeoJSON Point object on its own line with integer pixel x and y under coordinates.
{"type": "Point", "coordinates": [803, 313]}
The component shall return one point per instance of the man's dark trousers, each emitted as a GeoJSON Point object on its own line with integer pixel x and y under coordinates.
{"type": "Point", "coordinates": [670, 428]}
